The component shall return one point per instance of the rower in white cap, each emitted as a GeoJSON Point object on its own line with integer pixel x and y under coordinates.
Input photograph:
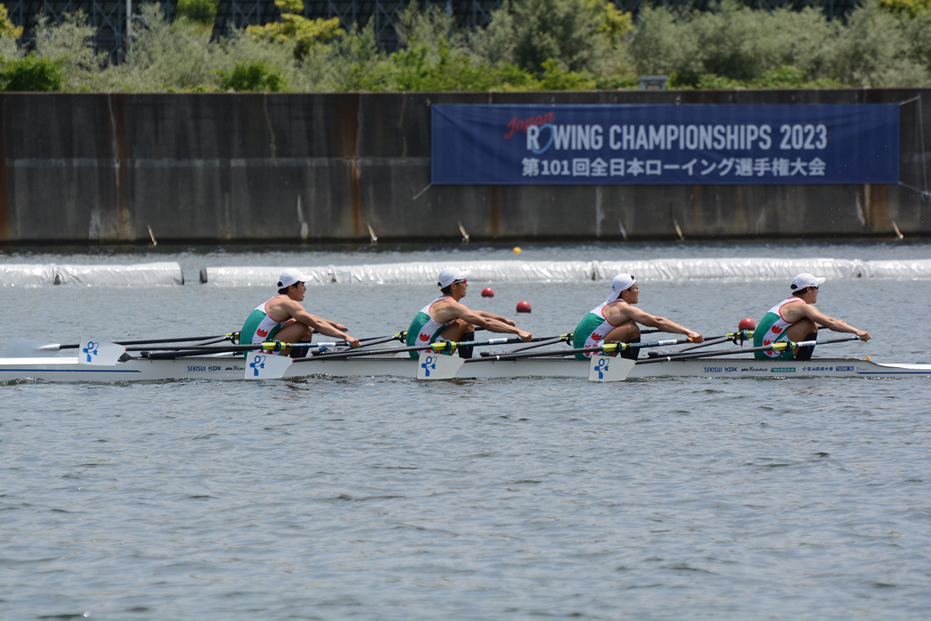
{"type": "Point", "coordinates": [615, 320]}
{"type": "Point", "coordinates": [283, 317]}
{"type": "Point", "coordinates": [448, 319]}
{"type": "Point", "coordinates": [796, 319]}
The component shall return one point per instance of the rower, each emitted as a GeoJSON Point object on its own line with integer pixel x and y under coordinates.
{"type": "Point", "coordinates": [284, 318]}
{"type": "Point", "coordinates": [446, 318]}
{"type": "Point", "coordinates": [615, 321]}
{"type": "Point", "coordinates": [796, 319]}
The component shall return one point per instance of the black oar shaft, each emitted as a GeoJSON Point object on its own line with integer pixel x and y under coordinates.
{"type": "Point", "coordinates": [732, 352]}
{"type": "Point", "coordinates": [186, 339]}
{"type": "Point", "coordinates": [438, 347]}
{"type": "Point", "coordinates": [514, 350]}
{"type": "Point", "coordinates": [560, 352]}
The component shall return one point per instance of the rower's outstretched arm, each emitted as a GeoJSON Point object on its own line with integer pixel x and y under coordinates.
{"type": "Point", "coordinates": [837, 325]}
{"type": "Point", "coordinates": [495, 325]}
{"type": "Point", "coordinates": [326, 327]}
{"type": "Point", "coordinates": [488, 315]}
{"type": "Point", "coordinates": [661, 323]}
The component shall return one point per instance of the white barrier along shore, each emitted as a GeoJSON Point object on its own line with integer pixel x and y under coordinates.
{"type": "Point", "coordinates": [143, 274]}
{"type": "Point", "coordinates": [575, 271]}
{"type": "Point", "coordinates": [147, 274]}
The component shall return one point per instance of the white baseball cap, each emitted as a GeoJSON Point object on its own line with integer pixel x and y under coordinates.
{"type": "Point", "coordinates": [621, 282]}
{"type": "Point", "coordinates": [289, 277]}
{"type": "Point", "coordinates": [804, 280]}
{"type": "Point", "coordinates": [451, 275]}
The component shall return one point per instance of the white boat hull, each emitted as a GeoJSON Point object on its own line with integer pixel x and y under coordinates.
{"type": "Point", "coordinates": [224, 367]}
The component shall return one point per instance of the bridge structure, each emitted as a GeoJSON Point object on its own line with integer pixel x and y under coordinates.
{"type": "Point", "coordinates": [109, 17]}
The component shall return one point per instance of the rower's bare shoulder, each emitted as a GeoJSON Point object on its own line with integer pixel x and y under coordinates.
{"type": "Point", "coordinates": [620, 311]}
{"type": "Point", "coordinates": [444, 310]}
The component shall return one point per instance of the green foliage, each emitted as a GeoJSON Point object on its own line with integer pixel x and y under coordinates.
{"type": "Point", "coordinates": [784, 77]}
{"type": "Point", "coordinates": [495, 44]}
{"type": "Point", "coordinates": [253, 77]}
{"type": "Point", "coordinates": [911, 7]}
{"type": "Point", "coordinates": [528, 45]}
{"type": "Point", "coordinates": [71, 42]}
{"type": "Point", "coordinates": [557, 78]}
{"type": "Point", "coordinates": [427, 68]}
{"type": "Point", "coordinates": [200, 11]}
{"type": "Point", "coordinates": [7, 29]}
{"type": "Point", "coordinates": [566, 31]}
{"type": "Point", "coordinates": [735, 46]}
{"type": "Point", "coordinates": [872, 51]}
{"type": "Point", "coordinates": [32, 73]}
{"type": "Point", "coordinates": [730, 41]}
{"type": "Point", "coordinates": [296, 30]}
{"type": "Point", "coordinates": [612, 22]}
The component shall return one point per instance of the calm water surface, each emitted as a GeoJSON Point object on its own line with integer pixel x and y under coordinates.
{"type": "Point", "coordinates": [377, 498]}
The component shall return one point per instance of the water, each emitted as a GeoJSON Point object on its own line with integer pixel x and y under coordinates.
{"type": "Point", "coordinates": [386, 498]}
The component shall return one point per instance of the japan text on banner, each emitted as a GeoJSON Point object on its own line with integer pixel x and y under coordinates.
{"type": "Point", "coordinates": [664, 144]}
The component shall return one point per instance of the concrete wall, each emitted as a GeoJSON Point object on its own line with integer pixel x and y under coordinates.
{"type": "Point", "coordinates": [292, 167]}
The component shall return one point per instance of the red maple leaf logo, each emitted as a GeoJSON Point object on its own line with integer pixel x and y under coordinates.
{"type": "Point", "coordinates": [423, 337]}
{"type": "Point", "coordinates": [262, 333]}
{"type": "Point", "coordinates": [767, 343]}
{"type": "Point", "coordinates": [776, 329]}
{"type": "Point", "coordinates": [596, 337]}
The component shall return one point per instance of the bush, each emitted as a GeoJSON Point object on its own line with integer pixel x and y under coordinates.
{"type": "Point", "coordinates": [201, 11]}
{"type": "Point", "coordinates": [32, 73]}
{"type": "Point", "coordinates": [72, 42]}
{"type": "Point", "coordinates": [296, 30]}
{"type": "Point", "coordinates": [528, 45]}
{"type": "Point", "coordinates": [252, 77]}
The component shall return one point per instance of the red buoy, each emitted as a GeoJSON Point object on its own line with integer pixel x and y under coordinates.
{"type": "Point", "coordinates": [747, 324]}
{"type": "Point", "coordinates": [523, 306]}
{"type": "Point", "coordinates": [488, 292]}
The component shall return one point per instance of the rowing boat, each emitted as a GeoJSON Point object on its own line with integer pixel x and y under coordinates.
{"type": "Point", "coordinates": [233, 367]}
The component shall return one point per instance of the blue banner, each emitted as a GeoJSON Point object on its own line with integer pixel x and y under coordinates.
{"type": "Point", "coordinates": [664, 144]}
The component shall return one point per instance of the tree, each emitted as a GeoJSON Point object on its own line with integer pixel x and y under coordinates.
{"type": "Point", "coordinates": [297, 30]}
{"type": "Point", "coordinates": [7, 29]}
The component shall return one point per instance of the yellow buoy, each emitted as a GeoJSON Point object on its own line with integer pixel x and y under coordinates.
{"type": "Point", "coordinates": [516, 250]}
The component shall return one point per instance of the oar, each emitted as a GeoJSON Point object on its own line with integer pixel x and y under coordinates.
{"type": "Point", "coordinates": [268, 346]}
{"type": "Point", "coordinates": [713, 340]}
{"type": "Point", "coordinates": [593, 349]}
{"type": "Point", "coordinates": [780, 346]}
{"type": "Point", "coordinates": [604, 347]}
{"type": "Point", "coordinates": [27, 348]}
{"type": "Point", "coordinates": [266, 369]}
{"type": "Point", "coordinates": [438, 346]}
{"type": "Point", "coordinates": [514, 350]}
{"type": "Point", "coordinates": [378, 340]}
{"type": "Point", "coordinates": [169, 353]}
